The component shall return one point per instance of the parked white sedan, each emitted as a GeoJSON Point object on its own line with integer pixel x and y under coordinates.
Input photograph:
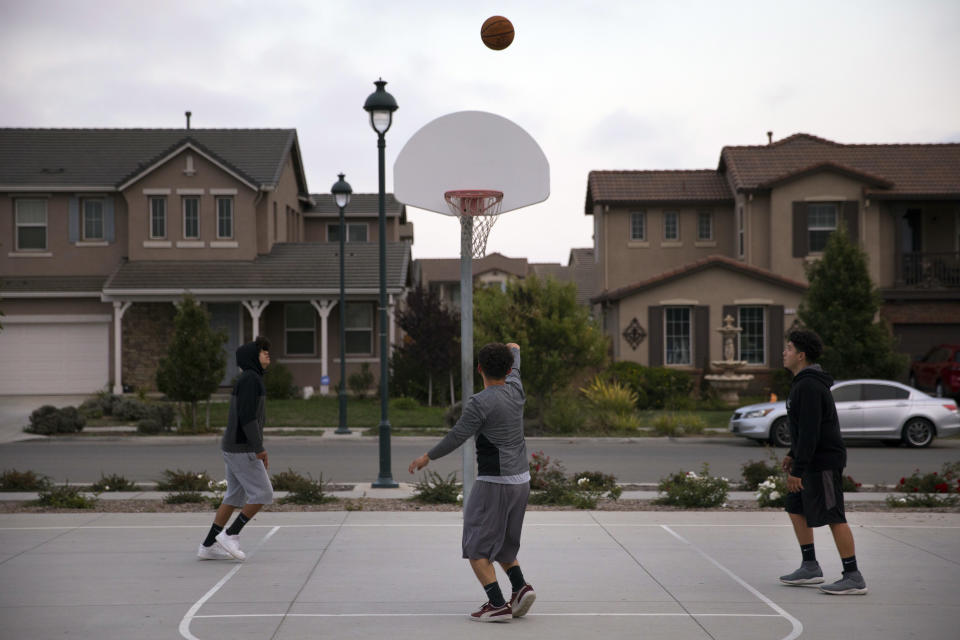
{"type": "Point", "coordinates": [868, 409]}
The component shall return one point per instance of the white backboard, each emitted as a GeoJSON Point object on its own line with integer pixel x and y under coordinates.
{"type": "Point", "coordinates": [471, 150]}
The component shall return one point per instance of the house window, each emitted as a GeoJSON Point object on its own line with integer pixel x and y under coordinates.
{"type": "Point", "coordinates": [191, 218]}
{"type": "Point", "coordinates": [358, 330]}
{"type": "Point", "coordinates": [158, 217]}
{"type": "Point", "coordinates": [705, 225]}
{"type": "Point", "coordinates": [740, 243]}
{"type": "Point", "coordinates": [356, 232]}
{"type": "Point", "coordinates": [671, 225]}
{"type": "Point", "coordinates": [224, 217]}
{"type": "Point", "coordinates": [638, 225]}
{"type": "Point", "coordinates": [752, 339]}
{"type": "Point", "coordinates": [821, 222]}
{"type": "Point", "coordinates": [300, 327]}
{"type": "Point", "coordinates": [677, 335]}
{"type": "Point", "coordinates": [31, 225]}
{"type": "Point", "coordinates": [92, 219]}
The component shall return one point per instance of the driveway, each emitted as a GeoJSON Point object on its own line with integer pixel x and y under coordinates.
{"type": "Point", "coordinates": [15, 413]}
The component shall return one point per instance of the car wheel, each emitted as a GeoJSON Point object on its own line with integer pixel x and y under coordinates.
{"type": "Point", "coordinates": [780, 433]}
{"type": "Point", "coordinates": [912, 381]}
{"type": "Point", "coordinates": [918, 433]}
{"type": "Point", "coordinates": [938, 390]}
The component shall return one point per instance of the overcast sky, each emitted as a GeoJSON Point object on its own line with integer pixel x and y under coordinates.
{"type": "Point", "coordinates": [600, 85]}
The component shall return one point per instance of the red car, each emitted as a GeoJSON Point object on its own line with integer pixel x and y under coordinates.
{"type": "Point", "coordinates": [938, 371]}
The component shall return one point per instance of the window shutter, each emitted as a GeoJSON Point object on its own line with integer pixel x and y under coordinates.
{"type": "Point", "coordinates": [73, 225]}
{"type": "Point", "coordinates": [108, 226]}
{"type": "Point", "coordinates": [799, 229]}
{"type": "Point", "coordinates": [851, 219]}
{"type": "Point", "coordinates": [655, 346]}
{"type": "Point", "coordinates": [701, 341]}
{"type": "Point", "coordinates": [775, 336]}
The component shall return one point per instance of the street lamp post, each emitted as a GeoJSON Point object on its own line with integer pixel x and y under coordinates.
{"type": "Point", "coordinates": [381, 105]}
{"type": "Point", "coordinates": [341, 192]}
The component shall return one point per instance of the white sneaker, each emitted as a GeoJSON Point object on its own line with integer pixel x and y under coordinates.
{"type": "Point", "coordinates": [213, 552]}
{"type": "Point", "coordinates": [231, 544]}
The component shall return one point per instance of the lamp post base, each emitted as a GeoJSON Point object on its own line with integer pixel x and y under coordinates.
{"type": "Point", "coordinates": [385, 479]}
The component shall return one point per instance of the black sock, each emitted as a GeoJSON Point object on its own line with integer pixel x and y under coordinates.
{"type": "Point", "coordinates": [212, 535]}
{"type": "Point", "coordinates": [237, 525]}
{"type": "Point", "coordinates": [849, 564]}
{"type": "Point", "coordinates": [494, 595]}
{"type": "Point", "coordinates": [809, 555]}
{"type": "Point", "coordinates": [516, 578]}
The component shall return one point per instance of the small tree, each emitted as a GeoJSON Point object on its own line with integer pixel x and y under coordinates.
{"type": "Point", "coordinates": [841, 305]}
{"type": "Point", "coordinates": [195, 362]}
{"type": "Point", "coordinates": [559, 338]}
{"type": "Point", "coordinates": [434, 336]}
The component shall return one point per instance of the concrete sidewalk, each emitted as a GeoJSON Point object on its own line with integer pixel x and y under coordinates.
{"type": "Point", "coordinates": [677, 575]}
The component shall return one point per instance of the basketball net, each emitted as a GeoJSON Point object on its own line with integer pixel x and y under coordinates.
{"type": "Point", "coordinates": [476, 208]}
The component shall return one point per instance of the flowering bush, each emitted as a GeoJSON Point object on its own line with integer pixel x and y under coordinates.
{"type": "Point", "coordinates": [550, 484]}
{"type": "Point", "coordinates": [850, 485]}
{"type": "Point", "coordinates": [930, 489]}
{"type": "Point", "coordinates": [545, 472]}
{"type": "Point", "coordinates": [772, 492]}
{"type": "Point", "coordinates": [688, 489]}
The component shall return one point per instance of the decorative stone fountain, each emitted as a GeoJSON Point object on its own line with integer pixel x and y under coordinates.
{"type": "Point", "coordinates": [728, 382]}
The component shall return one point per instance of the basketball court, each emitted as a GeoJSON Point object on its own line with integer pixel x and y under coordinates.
{"type": "Point", "coordinates": [358, 574]}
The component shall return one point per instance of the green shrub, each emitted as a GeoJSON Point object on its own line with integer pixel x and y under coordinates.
{"type": "Point", "coordinates": [288, 480]}
{"type": "Point", "coordinates": [612, 405]}
{"type": "Point", "coordinates": [149, 426]}
{"type": "Point", "coordinates": [850, 485]}
{"type": "Point", "coordinates": [404, 404]}
{"type": "Point", "coordinates": [91, 409]}
{"type": "Point", "coordinates": [933, 489]}
{"type": "Point", "coordinates": [309, 492]}
{"type": "Point", "coordinates": [48, 420]}
{"type": "Point", "coordinates": [550, 485]}
{"type": "Point", "coordinates": [361, 382]}
{"type": "Point", "coordinates": [689, 490]}
{"type": "Point", "coordinates": [656, 387]}
{"type": "Point", "coordinates": [566, 414]}
{"type": "Point", "coordinates": [756, 471]}
{"type": "Point", "coordinates": [780, 383]}
{"type": "Point", "coordinates": [279, 382]}
{"type": "Point", "coordinates": [678, 424]}
{"type": "Point", "coordinates": [113, 482]}
{"type": "Point", "coordinates": [13, 480]}
{"type": "Point", "coordinates": [129, 409]}
{"type": "Point", "coordinates": [64, 497]}
{"type": "Point", "coordinates": [183, 497]}
{"type": "Point", "coordinates": [599, 482]}
{"type": "Point", "coordinates": [772, 491]}
{"type": "Point", "coordinates": [545, 471]}
{"type": "Point", "coordinates": [180, 480]}
{"type": "Point", "coordinates": [435, 489]}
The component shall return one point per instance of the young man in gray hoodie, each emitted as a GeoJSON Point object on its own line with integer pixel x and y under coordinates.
{"type": "Point", "coordinates": [493, 515]}
{"type": "Point", "coordinates": [245, 459]}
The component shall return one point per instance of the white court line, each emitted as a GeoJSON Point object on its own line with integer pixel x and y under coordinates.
{"type": "Point", "coordinates": [796, 624]}
{"type": "Point", "coordinates": [460, 615]}
{"type": "Point", "coordinates": [188, 617]}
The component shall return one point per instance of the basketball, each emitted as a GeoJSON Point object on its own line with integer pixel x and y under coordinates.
{"type": "Point", "coordinates": [496, 32]}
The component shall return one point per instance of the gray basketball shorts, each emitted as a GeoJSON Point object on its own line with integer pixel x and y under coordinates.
{"type": "Point", "coordinates": [493, 519]}
{"type": "Point", "coordinates": [247, 480]}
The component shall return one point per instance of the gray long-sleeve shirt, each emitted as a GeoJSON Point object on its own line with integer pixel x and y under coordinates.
{"type": "Point", "coordinates": [495, 418]}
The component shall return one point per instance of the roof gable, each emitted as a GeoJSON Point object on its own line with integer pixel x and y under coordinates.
{"type": "Point", "coordinates": [187, 144]}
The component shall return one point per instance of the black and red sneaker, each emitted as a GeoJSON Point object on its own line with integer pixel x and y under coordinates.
{"type": "Point", "coordinates": [489, 613]}
{"type": "Point", "coordinates": [522, 600]}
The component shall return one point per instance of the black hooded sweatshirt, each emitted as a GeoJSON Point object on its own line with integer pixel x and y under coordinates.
{"type": "Point", "coordinates": [247, 416]}
{"type": "Point", "coordinates": [814, 426]}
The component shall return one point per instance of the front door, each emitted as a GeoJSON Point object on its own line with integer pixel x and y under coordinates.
{"type": "Point", "coordinates": [228, 317]}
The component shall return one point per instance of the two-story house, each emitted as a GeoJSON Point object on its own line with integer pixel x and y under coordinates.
{"type": "Point", "coordinates": [103, 231]}
{"type": "Point", "coordinates": [677, 251]}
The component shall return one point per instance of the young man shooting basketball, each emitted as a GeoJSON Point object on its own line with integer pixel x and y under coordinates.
{"type": "Point", "coordinates": [814, 467]}
{"type": "Point", "coordinates": [493, 515]}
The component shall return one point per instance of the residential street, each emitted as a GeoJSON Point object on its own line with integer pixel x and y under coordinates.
{"type": "Point", "coordinates": [354, 459]}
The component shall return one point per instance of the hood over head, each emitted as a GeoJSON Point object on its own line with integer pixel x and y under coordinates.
{"type": "Point", "coordinates": [815, 372]}
{"type": "Point", "coordinates": [248, 357]}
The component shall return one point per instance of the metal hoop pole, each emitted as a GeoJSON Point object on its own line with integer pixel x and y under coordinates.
{"type": "Point", "coordinates": [466, 346]}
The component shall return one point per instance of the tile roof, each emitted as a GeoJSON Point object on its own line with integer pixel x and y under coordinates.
{"type": "Point", "coordinates": [107, 157]}
{"type": "Point", "coordinates": [361, 204]}
{"type": "Point", "coordinates": [891, 170]}
{"type": "Point", "coordinates": [643, 187]}
{"type": "Point", "coordinates": [51, 284]}
{"type": "Point", "coordinates": [300, 268]}
{"type": "Point", "coordinates": [709, 262]}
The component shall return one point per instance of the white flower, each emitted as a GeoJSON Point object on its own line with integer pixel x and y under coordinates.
{"type": "Point", "coordinates": [691, 474]}
{"type": "Point", "coordinates": [759, 495]}
{"type": "Point", "coordinates": [774, 495]}
{"type": "Point", "coordinates": [903, 500]}
{"type": "Point", "coordinates": [724, 479]}
{"type": "Point", "coordinates": [459, 497]}
{"type": "Point", "coordinates": [200, 475]}
{"type": "Point", "coordinates": [582, 481]}
{"type": "Point", "coordinates": [106, 488]}
{"type": "Point", "coordinates": [223, 483]}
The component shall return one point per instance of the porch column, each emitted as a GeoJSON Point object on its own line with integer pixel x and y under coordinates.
{"type": "Point", "coordinates": [119, 308]}
{"type": "Point", "coordinates": [255, 308]}
{"type": "Point", "coordinates": [323, 307]}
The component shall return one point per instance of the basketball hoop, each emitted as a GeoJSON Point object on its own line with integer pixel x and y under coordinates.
{"type": "Point", "coordinates": [477, 210]}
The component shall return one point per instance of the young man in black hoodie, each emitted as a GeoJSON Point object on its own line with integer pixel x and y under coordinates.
{"type": "Point", "coordinates": [245, 460]}
{"type": "Point", "coordinates": [814, 467]}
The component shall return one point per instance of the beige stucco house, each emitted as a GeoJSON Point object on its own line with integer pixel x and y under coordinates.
{"type": "Point", "coordinates": [103, 231]}
{"type": "Point", "coordinates": [677, 251]}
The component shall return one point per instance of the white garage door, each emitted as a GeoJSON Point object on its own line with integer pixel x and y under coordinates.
{"type": "Point", "coordinates": [54, 357]}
